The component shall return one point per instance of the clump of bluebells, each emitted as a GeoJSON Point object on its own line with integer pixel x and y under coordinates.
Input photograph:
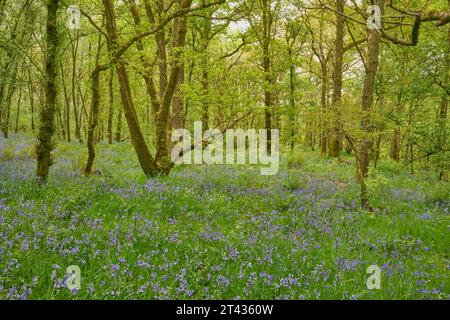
{"type": "Point", "coordinates": [219, 232]}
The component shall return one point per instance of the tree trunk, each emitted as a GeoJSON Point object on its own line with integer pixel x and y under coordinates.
{"type": "Point", "coordinates": [443, 113]}
{"type": "Point", "coordinates": [83, 111]}
{"type": "Point", "coordinates": [160, 38]}
{"type": "Point", "coordinates": [377, 150]}
{"type": "Point", "coordinates": [7, 107]}
{"type": "Point", "coordinates": [118, 136]}
{"type": "Point", "coordinates": [411, 156]}
{"type": "Point", "coordinates": [177, 121]}
{"type": "Point", "coordinates": [267, 21]}
{"type": "Point", "coordinates": [310, 142]}
{"type": "Point", "coordinates": [205, 95]}
{"type": "Point", "coordinates": [204, 64]}
{"type": "Point", "coordinates": [148, 68]}
{"type": "Point", "coordinates": [366, 143]}
{"type": "Point", "coordinates": [162, 146]}
{"type": "Point", "coordinates": [16, 129]}
{"type": "Point", "coordinates": [66, 103]}
{"type": "Point", "coordinates": [59, 118]}
{"type": "Point", "coordinates": [31, 94]}
{"type": "Point", "coordinates": [74, 99]}
{"type": "Point", "coordinates": [178, 102]}
{"type": "Point", "coordinates": [323, 107]}
{"type": "Point", "coordinates": [137, 138]}
{"type": "Point", "coordinates": [47, 113]}
{"type": "Point", "coordinates": [111, 106]}
{"type": "Point", "coordinates": [335, 140]}
{"type": "Point", "coordinates": [292, 120]}
{"type": "Point", "coordinates": [95, 109]}
{"type": "Point", "coordinates": [2, 90]}
{"type": "Point", "coordinates": [396, 135]}
{"type": "Point", "coordinates": [395, 144]}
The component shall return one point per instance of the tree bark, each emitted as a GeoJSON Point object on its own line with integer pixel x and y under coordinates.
{"type": "Point", "coordinates": [147, 73]}
{"type": "Point", "coordinates": [118, 135]}
{"type": "Point", "coordinates": [292, 119]}
{"type": "Point", "coordinates": [95, 110]}
{"type": "Point", "coordinates": [204, 42]}
{"type": "Point", "coordinates": [366, 143]}
{"type": "Point", "coordinates": [323, 107]}
{"type": "Point", "coordinates": [19, 100]}
{"type": "Point", "coordinates": [7, 107]}
{"type": "Point", "coordinates": [59, 118]}
{"type": "Point", "coordinates": [178, 102]}
{"type": "Point", "coordinates": [47, 113]}
{"type": "Point", "coordinates": [267, 21]}
{"type": "Point", "coordinates": [66, 103]}
{"type": "Point", "coordinates": [162, 146]}
{"type": "Point", "coordinates": [335, 140]}
{"type": "Point", "coordinates": [160, 38]}
{"type": "Point", "coordinates": [137, 138]}
{"type": "Point", "coordinates": [31, 94]}
{"type": "Point", "coordinates": [443, 112]}
{"type": "Point", "coordinates": [396, 134]}
{"type": "Point", "coordinates": [111, 106]}
{"type": "Point", "coordinates": [74, 100]}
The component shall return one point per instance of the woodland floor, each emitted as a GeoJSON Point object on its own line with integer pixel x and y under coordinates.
{"type": "Point", "coordinates": [218, 232]}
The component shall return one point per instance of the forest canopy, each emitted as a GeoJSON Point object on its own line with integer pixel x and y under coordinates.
{"type": "Point", "coordinates": [313, 69]}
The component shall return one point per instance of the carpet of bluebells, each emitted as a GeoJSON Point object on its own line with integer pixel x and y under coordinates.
{"type": "Point", "coordinates": [209, 232]}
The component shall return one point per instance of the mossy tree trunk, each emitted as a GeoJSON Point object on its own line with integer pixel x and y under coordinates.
{"type": "Point", "coordinates": [366, 143]}
{"type": "Point", "coordinates": [111, 106]}
{"type": "Point", "coordinates": [335, 141]}
{"type": "Point", "coordinates": [443, 113]}
{"type": "Point", "coordinates": [137, 138]}
{"type": "Point", "coordinates": [47, 112]}
{"type": "Point", "coordinates": [95, 109]}
{"type": "Point", "coordinates": [162, 138]}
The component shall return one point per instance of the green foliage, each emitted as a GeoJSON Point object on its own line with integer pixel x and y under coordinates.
{"type": "Point", "coordinates": [439, 194]}
{"type": "Point", "coordinates": [8, 153]}
{"type": "Point", "coordinates": [295, 159]}
{"type": "Point", "coordinates": [26, 151]}
{"type": "Point", "coordinates": [219, 232]}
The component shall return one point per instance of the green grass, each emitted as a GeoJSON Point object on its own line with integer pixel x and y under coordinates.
{"type": "Point", "coordinates": [218, 232]}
